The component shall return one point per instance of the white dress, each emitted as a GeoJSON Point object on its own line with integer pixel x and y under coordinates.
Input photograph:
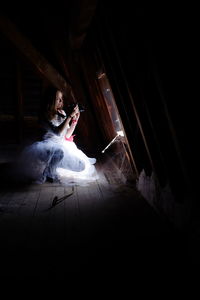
{"type": "Point", "coordinates": [57, 158]}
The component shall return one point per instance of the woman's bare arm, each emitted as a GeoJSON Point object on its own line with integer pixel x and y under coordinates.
{"type": "Point", "coordinates": [64, 127]}
{"type": "Point", "coordinates": [73, 125]}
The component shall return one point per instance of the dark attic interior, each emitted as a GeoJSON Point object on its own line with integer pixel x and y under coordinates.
{"type": "Point", "coordinates": [127, 64]}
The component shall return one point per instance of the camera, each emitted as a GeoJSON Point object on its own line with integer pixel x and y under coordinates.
{"type": "Point", "coordinates": [71, 106]}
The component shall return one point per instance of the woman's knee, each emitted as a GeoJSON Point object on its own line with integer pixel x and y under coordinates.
{"type": "Point", "coordinates": [58, 155]}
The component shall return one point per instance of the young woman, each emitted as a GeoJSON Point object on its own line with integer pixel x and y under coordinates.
{"type": "Point", "coordinates": [56, 157]}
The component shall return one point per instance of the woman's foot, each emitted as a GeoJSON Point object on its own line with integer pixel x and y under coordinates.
{"type": "Point", "coordinates": [53, 180]}
{"type": "Point", "coordinates": [92, 160]}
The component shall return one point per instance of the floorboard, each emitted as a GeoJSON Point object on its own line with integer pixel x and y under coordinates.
{"type": "Point", "coordinates": [105, 230]}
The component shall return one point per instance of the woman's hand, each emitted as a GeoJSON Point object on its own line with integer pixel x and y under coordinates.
{"type": "Point", "coordinates": [75, 118]}
{"type": "Point", "coordinates": [77, 115]}
{"type": "Point", "coordinates": [75, 111]}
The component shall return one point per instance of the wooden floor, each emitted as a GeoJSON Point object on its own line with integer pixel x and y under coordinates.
{"type": "Point", "coordinates": [51, 232]}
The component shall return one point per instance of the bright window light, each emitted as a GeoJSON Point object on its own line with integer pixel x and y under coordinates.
{"type": "Point", "coordinates": [121, 133]}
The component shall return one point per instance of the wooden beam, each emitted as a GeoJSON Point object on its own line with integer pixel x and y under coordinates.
{"type": "Point", "coordinates": [82, 13]}
{"type": "Point", "coordinates": [24, 46]}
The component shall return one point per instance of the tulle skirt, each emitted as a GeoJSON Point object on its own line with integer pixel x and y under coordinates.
{"type": "Point", "coordinates": [59, 159]}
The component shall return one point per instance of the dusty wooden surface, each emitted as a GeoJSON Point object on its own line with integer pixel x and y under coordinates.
{"type": "Point", "coordinates": [105, 230]}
